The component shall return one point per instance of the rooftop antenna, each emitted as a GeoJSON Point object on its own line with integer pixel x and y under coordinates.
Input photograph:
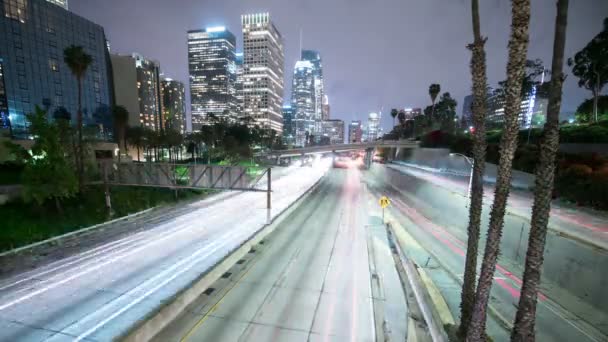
{"type": "Point", "coordinates": [300, 43]}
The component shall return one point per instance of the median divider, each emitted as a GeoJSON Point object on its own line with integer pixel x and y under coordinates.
{"type": "Point", "coordinates": [150, 325]}
{"type": "Point", "coordinates": [431, 303]}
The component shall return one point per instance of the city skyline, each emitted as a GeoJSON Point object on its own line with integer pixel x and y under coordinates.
{"type": "Point", "coordinates": [394, 84]}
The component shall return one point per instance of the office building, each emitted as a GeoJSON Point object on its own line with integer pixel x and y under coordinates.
{"type": "Point", "coordinates": [4, 118]}
{"type": "Point", "coordinates": [303, 103]}
{"type": "Point", "coordinates": [314, 57]}
{"type": "Point", "coordinates": [35, 34]}
{"type": "Point", "coordinates": [239, 84]}
{"type": "Point", "coordinates": [373, 127]}
{"type": "Point", "coordinates": [212, 67]}
{"type": "Point", "coordinates": [289, 134]}
{"type": "Point", "coordinates": [325, 108]}
{"type": "Point", "coordinates": [355, 132]}
{"type": "Point", "coordinates": [173, 105]}
{"type": "Point", "coordinates": [137, 88]}
{"type": "Point", "coordinates": [263, 69]}
{"type": "Point", "coordinates": [533, 109]}
{"type": "Point", "coordinates": [411, 113]}
{"type": "Point", "coordinates": [62, 3]}
{"type": "Point", "coordinates": [334, 130]}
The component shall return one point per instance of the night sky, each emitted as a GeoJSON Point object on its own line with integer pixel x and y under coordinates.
{"type": "Point", "coordinates": [375, 52]}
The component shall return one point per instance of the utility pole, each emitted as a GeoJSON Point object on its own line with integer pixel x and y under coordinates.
{"type": "Point", "coordinates": [269, 195]}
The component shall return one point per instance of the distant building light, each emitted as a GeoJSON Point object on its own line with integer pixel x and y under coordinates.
{"type": "Point", "coordinates": [216, 29]}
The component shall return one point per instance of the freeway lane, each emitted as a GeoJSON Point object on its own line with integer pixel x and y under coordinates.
{"type": "Point", "coordinates": [437, 218]}
{"type": "Point", "coordinates": [98, 294]}
{"type": "Point", "coordinates": [311, 281]}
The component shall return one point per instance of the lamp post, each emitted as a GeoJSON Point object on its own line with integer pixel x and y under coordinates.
{"type": "Point", "coordinates": [471, 162]}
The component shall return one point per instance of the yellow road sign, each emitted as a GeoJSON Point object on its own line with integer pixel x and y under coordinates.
{"type": "Point", "coordinates": [384, 202]}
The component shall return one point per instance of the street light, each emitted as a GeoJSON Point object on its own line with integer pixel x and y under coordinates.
{"type": "Point", "coordinates": [471, 162]}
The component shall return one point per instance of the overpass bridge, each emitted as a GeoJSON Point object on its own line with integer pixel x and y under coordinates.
{"type": "Point", "coordinates": [368, 147]}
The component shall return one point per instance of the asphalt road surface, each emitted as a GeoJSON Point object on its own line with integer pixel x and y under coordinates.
{"type": "Point", "coordinates": [96, 295]}
{"type": "Point", "coordinates": [432, 208]}
{"type": "Point", "coordinates": [312, 281]}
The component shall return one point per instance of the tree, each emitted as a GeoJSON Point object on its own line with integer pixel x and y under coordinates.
{"type": "Point", "coordinates": [78, 61]}
{"type": "Point", "coordinates": [135, 137]}
{"type": "Point", "coordinates": [120, 117]}
{"type": "Point", "coordinates": [518, 48]}
{"type": "Point", "coordinates": [434, 90]}
{"type": "Point", "coordinates": [523, 329]}
{"type": "Point", "coordinates": [590, 65]}
{"type": "Point", "coordinates": [446, 112]}
{"type": "Point", "coordinates": [47, 174]}
{"type": "Point", "coordinates": [480, 81]}
{"type": "Point", "coordinates": [394, 113]}
{"type": "Point", "coordinates": [584, 112]}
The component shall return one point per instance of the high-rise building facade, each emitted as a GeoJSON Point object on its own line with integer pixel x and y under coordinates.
{"type": "Point", "coordinates": [4, 118]}
{"type": "Point", "coordinates": [62, 3]}
{"type": "Point", "coordinates": [533, 105]}
{"type": "Point", "coordinates": [326, 108]}
{"type": "Point", "coordinates": [34, 35]}
{"type": "Point", "coordinates": [334, 130]}
{"type": "Point", "coordinates": [212, 67]}
{"type": "Point", "coordinates": [239, 83]}
{"type": "Point", "coordinates": [314, 57]}
{"type": "Point", "coordinates": [289, 132]}
{"type": "Point", "coordinates": [373, 127]}
{"type": "Point", "coordinates": [467, 110]}
{"type": "Point", "coordinates": [263, 69]}
{"type": "Point", "coordinates": [173, 103]}
{"type": "Point", "coordinates": [303, 102]}
{"type": "Point", "coordinates": [355, 132]}
{"type": "Point", "coordinates": [137, 88]}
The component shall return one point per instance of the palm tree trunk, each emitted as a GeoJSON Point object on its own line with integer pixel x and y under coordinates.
{"type": "Point", "coordinates": [80, 157]}
{"type": "Point", "coordinates": [523, 329]}
{"type": "Point", "coordinates": [518, 47]}
{"type": "Point", "coordinates": [596, 95]}
{"type": "Point", "coordinates": [478, 71]}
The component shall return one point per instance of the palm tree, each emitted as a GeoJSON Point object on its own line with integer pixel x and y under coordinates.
{"type": "Point", "coordinates": [518, 48]}
{"type": "Point", "coordinates": [434, 90]}
{"type": "Point", "coordinates": [523, 329]}
{"type": "Point", "coordinates": [478, 72]}
{"type": "Point", "coordinates": [394, 113]}
{"type": "Point", "coordinates": [120, 116]}
{"type": "Point", "coordinates": [135, 137]}
{"type": "Point", "coordinates": [78, 61]}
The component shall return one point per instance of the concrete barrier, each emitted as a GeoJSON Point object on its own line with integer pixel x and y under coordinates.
{"type": "Point", "coordinates": [146, 328]}
{"type": "Point", "coordinates": [439, 159]}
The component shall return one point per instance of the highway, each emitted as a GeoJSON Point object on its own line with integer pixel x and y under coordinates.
{"type": "Point", "coordinates": [98, 294]}
{"type": "Point", "coordinates": [432, 208]}
{"type": "Point", "coordinates": [312, 281]}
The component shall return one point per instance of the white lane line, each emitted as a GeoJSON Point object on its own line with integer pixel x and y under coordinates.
{"type": "Point", "coordinates": [87, 271]}
{"type": "Point", "coordinates": [194, 257]}
{"type": "Point", "coordinates": [82, 257]}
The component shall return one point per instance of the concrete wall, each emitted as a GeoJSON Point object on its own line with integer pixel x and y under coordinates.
{"type": "Point", "coordinates": [439, 159]}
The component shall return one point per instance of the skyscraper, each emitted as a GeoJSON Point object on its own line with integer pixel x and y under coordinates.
{"type": "Point", "coordinates": [314, 57]}
{"type": "Point", "coordinates": [137, 88]}
{"type": "Point", "coordinates": [303, 102]}
{"type": "Point", "coordinates": [34, 35]}
{"type": "Point", "coordinates": [212, 66]}
{"type": "Point", "coordinates": [239, 83]}
{"type": "Point", "coordinates": [173, 105]}
{"type": "Point", "coordinates": [289, 134]}
{"type": "Point", "coordinates": [326, 108]}
{"type": "Point", "coordinates": [62, 3]}
{"type": "Point", "coordinates": [262, 71]}
{"type": "Point", "coordinates": [355, 132]}
{"type": "Point", "coordinates": [467, 110]}
{"type": "Point", "coordinates": [373, 126]}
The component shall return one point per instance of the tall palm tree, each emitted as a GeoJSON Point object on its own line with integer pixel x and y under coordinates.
{"type": "Point", "coordinates": [135, 137]}
{"type": "Point", "coordinates": [434, 90]}
{"type": "Point", "coordinates": [120, 116]}
{"type": "Point", "coordinates": [78, 61]}
{"type": "Point", "coordinates": [518, 48]}
{"type": "Point", "coordinates": [478, 72]}
{"type": "Point", "coordinates": [394, 113]}
{"type": "Point", "coordinates": [523, 329]}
